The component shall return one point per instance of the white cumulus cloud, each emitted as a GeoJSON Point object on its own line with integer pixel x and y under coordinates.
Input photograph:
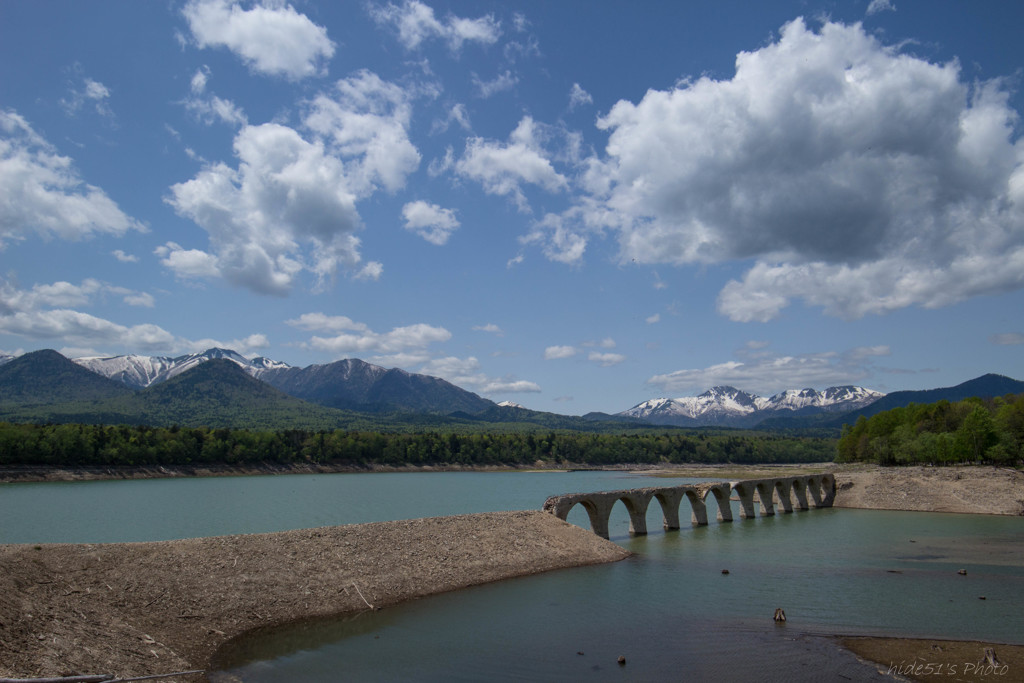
{"type": "Point", "coordinates": [210, 108]}
{"type": "Point", "coordinates": [349, 336]}
{"type": "Point", "coordinates": [606, 360]}
{"type": "Point", "coordinates": [1007, 339]}
{"type": "Point", "coordinates": [579, 97]}
{"type": "Point", "coordinates": [285, 192]}
{"type": "Point", "coordinates": [500, 83]}
{"type": "Point", "coordinates": [416, 23]}
{"type": "Point", "coordinates": [853, 176]}
{"type": "Point", "coordinates": [47, 312]}
{"type": "Point", "coordinates": [466, 373]}
{"type": "Point", "coordinates": [41, 192]}
{"type": "Point", "coordinates": [765, 372]}
{"type": "Point", "coordinates": [502, 168]}
{"type": "Point", "coordinates": [290, 204]}
{"type": "Point", "coordinates": [430, 221]}
{"type": "Point", "coordinates": [557, 352]}
{"type": "Point", "coordinates": [88, 91]}
{"type": "Point", "coordinates": [271, 37]}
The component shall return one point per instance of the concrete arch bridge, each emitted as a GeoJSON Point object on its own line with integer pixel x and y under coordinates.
{"type": "Point", "coordinates": [801, 492]}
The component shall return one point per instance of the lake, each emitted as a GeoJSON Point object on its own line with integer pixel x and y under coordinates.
{"type": "Point", "coordinates": [669, 609]}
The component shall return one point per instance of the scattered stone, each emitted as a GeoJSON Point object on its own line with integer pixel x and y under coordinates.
{"type": "Point", "coordinates": [725, 571]}
{"type": "Point", "coordinates": [622, 661]}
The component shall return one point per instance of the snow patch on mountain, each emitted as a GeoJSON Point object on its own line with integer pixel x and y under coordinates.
{"type": "Point", "coordinates": [144, 371]}
{"type": "Point", "coordinates": [729, 406]}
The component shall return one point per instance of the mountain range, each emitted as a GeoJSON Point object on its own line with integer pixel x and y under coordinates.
{"type": "Point", "coordinates": [730, 407]}
{"type": "Point", "coordinates": [221, 387]}
{"type": "Point", "coordinates": [349, 384]}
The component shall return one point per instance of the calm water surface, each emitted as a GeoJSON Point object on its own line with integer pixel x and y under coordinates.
{"type": "Point", "coordinates": [669, 609]}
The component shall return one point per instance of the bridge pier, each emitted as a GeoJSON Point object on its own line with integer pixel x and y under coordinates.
{"type": "Point", "coordinates": [800, 491]}
{"type": "Point", "coordinates": [766, 494]}
{"type": "Point", "coordinates": [669, 499]}
{"type": "Point", "coordinates": [723, 497]}
{"type": "Point", "coordinates": [699, 509]}
{"type": "Point", "coordinates": [745, 491]}
{"type": "Point", "coordinates": [782, 492]}
{"type": "Point", "coordinates": [823, 489]}
{"type": "Point", "coordinates": [636, 505]}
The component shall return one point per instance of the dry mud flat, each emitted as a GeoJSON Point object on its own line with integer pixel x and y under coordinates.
{"type": "Point", "coordinates": [133, 609]}
{"type": "Point", "coordinates": [979, 490]}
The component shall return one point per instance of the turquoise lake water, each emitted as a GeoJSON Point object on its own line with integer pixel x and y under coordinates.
{"type": "Point", "coordinates": [669, 609]}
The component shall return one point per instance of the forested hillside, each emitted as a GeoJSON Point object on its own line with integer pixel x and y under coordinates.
{"type": "Point", "coordinates": [77, 445]}
{"type": "Point", "coordinates": [970, 431]}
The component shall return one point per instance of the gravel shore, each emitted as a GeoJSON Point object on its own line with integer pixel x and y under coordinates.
{"type": "Point", "coordinates": [977, 490]}
{"type": "Point", "coordinates": [133, 609]}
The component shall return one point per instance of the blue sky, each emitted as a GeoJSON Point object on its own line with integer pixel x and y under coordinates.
{"type": "Point", "coordinates": [573, 205]}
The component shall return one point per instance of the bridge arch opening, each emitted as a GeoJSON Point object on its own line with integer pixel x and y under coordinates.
{"type": "Point", "coordinates": [636, 510]}
{"type": "Point", "coordinates": [722, 497]}
{"type": "Point", "coordinates": [583, 514]}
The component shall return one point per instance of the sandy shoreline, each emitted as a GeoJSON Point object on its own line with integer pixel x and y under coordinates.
{"type": "Point", "coordinates": [147, 608]}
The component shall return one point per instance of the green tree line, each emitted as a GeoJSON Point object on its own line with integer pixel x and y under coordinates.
{"type": "Point", "coordinates": [975, 430]}
{"type": "Point", "coordinates": [80, 445]}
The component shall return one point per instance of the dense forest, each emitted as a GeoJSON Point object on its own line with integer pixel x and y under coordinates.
{"type": "Point", "coordinates": [988, 431]}
{"type": "Point", "coordinates": [78, 445]}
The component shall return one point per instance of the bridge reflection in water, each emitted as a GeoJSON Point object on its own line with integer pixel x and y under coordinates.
{"type": "Point", "coordinates": [801, 492]}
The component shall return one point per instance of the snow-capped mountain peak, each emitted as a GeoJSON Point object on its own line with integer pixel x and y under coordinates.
{"type": "Point", "coordinates": [267, 364]}
{"type": "Point", "coordinates": [134, 370]}
{"type": "Point", "coordinates": [726, 405]}
{"type": "Point", "coordinates": [143, 371]}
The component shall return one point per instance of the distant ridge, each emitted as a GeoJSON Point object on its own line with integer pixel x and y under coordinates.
{"type": "Point", "coordinates": [356, 385]}
{"type": "Point", "coordinates": [349, 384]}
{"type": "Point", "coordinates": [45, 378]}
{"type": "Point", "coordinates": [213, 384]}
{"type": "Point", "coordinates": [46, 387]}
{"type": "Point", "coordinates": [986, 386]}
